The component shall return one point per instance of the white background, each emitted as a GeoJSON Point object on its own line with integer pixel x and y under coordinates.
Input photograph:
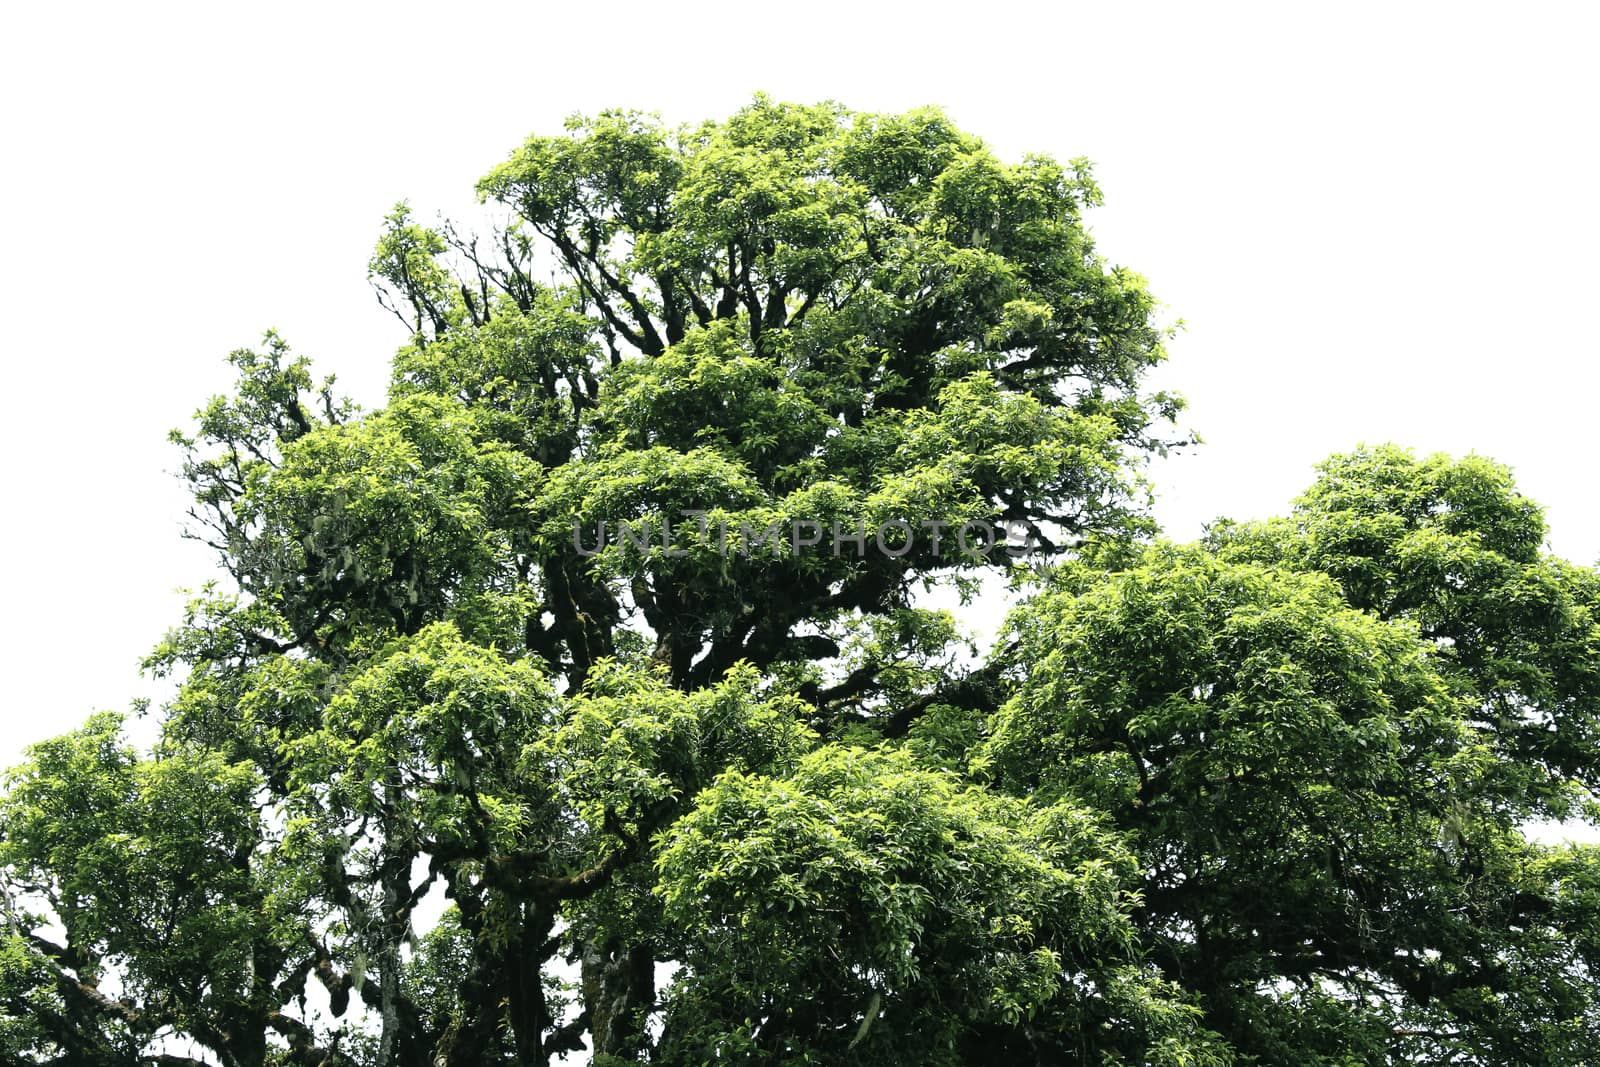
{"type": "Point", "coordinates": [1378, 222]}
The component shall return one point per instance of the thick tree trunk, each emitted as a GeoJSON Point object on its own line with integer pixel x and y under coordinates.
{"type": "Point", "coordinates": [618, 993]}
{"type": "Point", "coordinates": [529, 1011]}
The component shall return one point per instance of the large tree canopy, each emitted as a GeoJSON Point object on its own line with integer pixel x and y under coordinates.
{"type": "Point", "coordinates": [453, 778]}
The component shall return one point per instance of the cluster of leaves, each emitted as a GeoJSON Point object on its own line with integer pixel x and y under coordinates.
{"type": "Point", "coordinates": [1324, 737]}
{"type": "Point", "coordinates": [442, 786]}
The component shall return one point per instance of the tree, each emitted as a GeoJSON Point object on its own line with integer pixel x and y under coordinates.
{"type": "Point", "coordinates": [581, 700]}
{"type": "Point", "coordinates": [1324, 736]}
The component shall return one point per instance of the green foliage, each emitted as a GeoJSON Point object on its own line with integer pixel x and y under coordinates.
{"type": "Point", "coordinates": [866, 910]}
{"type": "Point", "coordinates": [162, 870]}
{"type": "Point", "coordinates": [1302, 726]}
{"type": "Point", "coordinates": [1452, 547]}
{"type": "Point", "coordinates": [447, 781]}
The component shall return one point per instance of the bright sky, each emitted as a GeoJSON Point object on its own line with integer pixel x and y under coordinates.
{"type": "Point", "coordinates": [1377, 221]}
